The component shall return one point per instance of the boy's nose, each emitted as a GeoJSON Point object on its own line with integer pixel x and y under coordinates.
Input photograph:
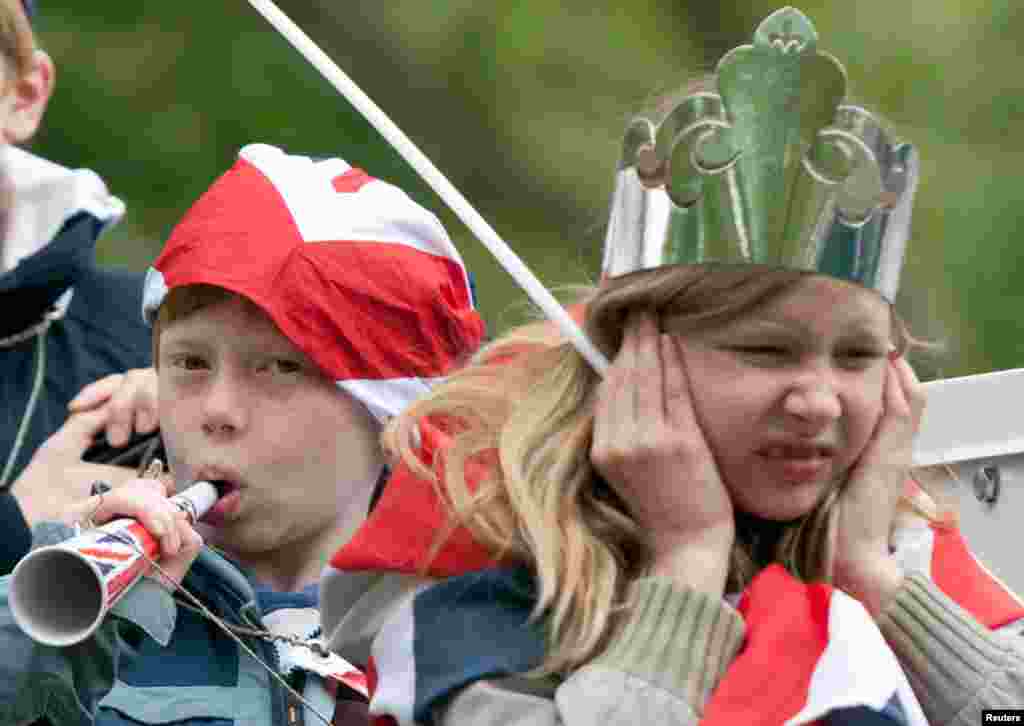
{"type": "Point", "coordinates": [224, 408]}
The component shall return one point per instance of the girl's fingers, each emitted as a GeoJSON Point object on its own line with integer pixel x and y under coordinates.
{"type": "Point", "coordinates": [832, 540]}
{"type": "Point", "coordinates": [877, 452]}
{"type": "Point", "coordinates": [603, 410]}
{"type": "Point", "coordinates": [896, 414]}
{"type": "Point", "coordinates": [913, 391]}
{"type": "Point", "coordinates": [646, 375]}
{"type": "Point", "coordinates": [868, 502]}
{"type": "Point", "coordinates": [904, 401]}
{"type": "Point", "coordinates": [617, 406]}
{"type": "Point", "coordinates": [678, 402]}
{"type": "Point", "coordinates": [895, 399]}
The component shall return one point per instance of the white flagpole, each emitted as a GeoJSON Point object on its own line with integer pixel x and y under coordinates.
{"type": "Point", "coordinates": [438, 182]}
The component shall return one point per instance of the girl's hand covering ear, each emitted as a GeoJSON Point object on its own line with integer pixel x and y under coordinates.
{"type": "Point", "coordinates": [862, 522]}
{"type": "Point", "coordinates": [649, 447]}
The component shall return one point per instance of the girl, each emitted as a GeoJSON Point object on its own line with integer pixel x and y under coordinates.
{"type": "Point", "coordinates": [719, 529]}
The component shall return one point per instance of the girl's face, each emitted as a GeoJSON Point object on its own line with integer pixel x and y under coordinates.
{"type": "Point", "coordinates": [789, 396]}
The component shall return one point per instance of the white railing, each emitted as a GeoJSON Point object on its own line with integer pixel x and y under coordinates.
{"type": "Point", "coordinates": [975, 424]}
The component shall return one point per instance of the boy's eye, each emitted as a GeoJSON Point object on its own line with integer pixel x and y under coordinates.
{"type": "Point", "coordinates": [188, 362]}
{"type": "Point", "coordinates": [280, 366]}
{"type": "Point", "coordinates": [283, 365]}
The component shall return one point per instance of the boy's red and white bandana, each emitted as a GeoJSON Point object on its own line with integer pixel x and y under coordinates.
{"type": "Point", "coordinates": [356, 274]}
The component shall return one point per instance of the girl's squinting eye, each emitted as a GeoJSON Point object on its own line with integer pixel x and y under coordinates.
{"type": "Point", "coordinates": [861, 356]}
{"type": "Point", "coordinates": [864, 353]}
{"type": "Point", "coordinates": [762, 350]}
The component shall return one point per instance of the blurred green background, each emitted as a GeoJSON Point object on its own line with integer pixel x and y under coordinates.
{"type": "Point", "coordinates": [522, 104]}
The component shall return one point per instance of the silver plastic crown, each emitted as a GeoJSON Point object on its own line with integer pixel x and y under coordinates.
{"type": "Point", "coordinates": [772, 169]}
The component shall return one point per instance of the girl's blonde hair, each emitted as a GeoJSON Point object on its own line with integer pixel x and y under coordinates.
{"type": "Point", "coordinates": [17, 42]}
{"type": "Point", "coordinates": [529, 397]}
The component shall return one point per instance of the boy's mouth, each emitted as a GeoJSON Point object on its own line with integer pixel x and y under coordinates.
{"type": "Point", "coordinates": [223, 487]}
{"type": "Point", "coordinates": [229, 496]}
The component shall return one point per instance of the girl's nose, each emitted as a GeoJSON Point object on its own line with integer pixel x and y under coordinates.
{"type": "Point", "coordinates": [814, 403]}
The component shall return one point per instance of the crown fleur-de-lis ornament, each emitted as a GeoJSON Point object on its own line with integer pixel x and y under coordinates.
{"type": "Point", "coordinates": [768, 166]}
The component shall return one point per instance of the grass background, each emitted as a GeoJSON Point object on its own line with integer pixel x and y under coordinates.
{"type": "Point", "coordinates": [522, 104]}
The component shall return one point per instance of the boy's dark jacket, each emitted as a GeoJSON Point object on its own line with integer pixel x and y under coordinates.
{"type": "Point", "coordinates": [167, 663]}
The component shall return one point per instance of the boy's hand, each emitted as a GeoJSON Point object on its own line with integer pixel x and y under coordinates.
{"type": "Point", "coordinates": [146, 501]}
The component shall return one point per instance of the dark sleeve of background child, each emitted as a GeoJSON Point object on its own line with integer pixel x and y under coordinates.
{"type": "Point", "coordinates": [17, 538]}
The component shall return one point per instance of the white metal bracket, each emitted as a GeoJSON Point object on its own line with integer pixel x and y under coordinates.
{"type": "Point", "coordinates": [976, 425]}
{"type": "Point", "coordinates": [973, 417]}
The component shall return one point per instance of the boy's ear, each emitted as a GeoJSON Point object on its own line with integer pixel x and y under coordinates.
{"type": "Point", "coordinates": [31, 94]}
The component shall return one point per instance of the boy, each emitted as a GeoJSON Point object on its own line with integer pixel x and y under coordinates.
{"type": "Point", "coordinates": [297, 305]}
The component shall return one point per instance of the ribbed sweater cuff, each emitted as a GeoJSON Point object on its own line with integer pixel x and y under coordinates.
{"type": "Point", "coordinates": [948, 656]}
{"type": "Point", "coordinates": [676, 638]}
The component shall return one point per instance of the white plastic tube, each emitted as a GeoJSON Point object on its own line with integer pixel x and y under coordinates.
{"type": "Point", "coordinates": [437, 181]}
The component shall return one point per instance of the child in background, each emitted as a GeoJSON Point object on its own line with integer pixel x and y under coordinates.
{"type": "Point", "coordinates": [65, 322]}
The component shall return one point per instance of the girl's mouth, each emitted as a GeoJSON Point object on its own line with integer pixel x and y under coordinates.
{"type": "Point", "coordinates": [797, 451]}
{"type": "Point", "coordinates": [799, 463]}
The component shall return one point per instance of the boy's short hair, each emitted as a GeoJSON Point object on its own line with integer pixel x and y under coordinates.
{"type": "Point", "coordinates": [180, 303]}
{"type": "Point", "coordinates": [354, 273]}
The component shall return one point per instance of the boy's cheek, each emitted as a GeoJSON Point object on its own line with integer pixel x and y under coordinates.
{"type": "Point", "coordinates": [176, 460]}
{"type": "Point", "coordinates": [173, 430]}
{"type": "Point", "coordinates": [164, 400]}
